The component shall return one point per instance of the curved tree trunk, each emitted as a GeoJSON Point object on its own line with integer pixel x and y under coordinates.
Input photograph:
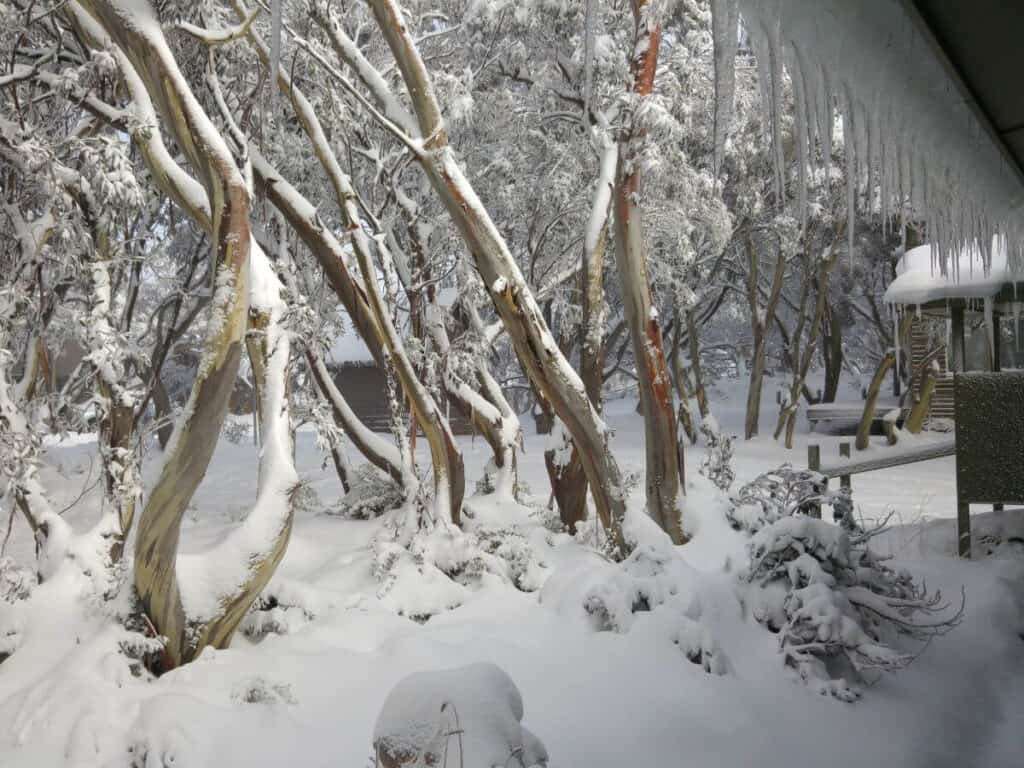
{"type": "Point", "coordinates": [221, 207]}
{"type": "Point", "coordinates": [919, 411]}
{"type": "Point", "coordinates": [864, 428]}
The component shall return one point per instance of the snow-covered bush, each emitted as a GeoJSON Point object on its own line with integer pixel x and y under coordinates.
{"type": "Point", "coordinates": [470, 716]}
{"type": "Point", "coordinates": [15, 585]}
{"type": "Point", "coordinates": [783, 492]}
{"type": "Point", "coordinates": [716, 465]}
{"type": "Point", "coordinates": [839, 610]}
{"type": "Point", "coordinates": [652, 584]}
{"type": "Point", "coordinates": [371, 494]}
{"type": "Point", "coordinates": [437, 567]}
{"type": "Point", "coordinates": [281, 609]}
{"type": "Point", "coordinates": [236, 431]}
{"type": "Point", "coordinates": [304, 498]}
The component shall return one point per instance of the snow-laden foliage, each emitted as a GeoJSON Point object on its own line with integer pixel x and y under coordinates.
{"type": "Point", "coordinates": [842, 615]}
{"type": "Point", "coordinates": [439, 567]}
{"type": "Point", "coordinates": [371, 494]}
{"type": "Point", "coordinates": [784, 492]}
{"type": "Point", "coordinates": [716, 464]}
{"type": "Point", "coordinates": [282, 608]}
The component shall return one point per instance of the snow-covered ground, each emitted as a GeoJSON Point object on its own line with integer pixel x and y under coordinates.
{"type": "Point", "coordinates": [310, 697]}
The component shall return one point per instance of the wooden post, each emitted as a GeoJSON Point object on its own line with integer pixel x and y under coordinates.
{"type": "Point", "coordinates": [957, 347]}
{"type": "Point", "coordinates": [814, 464]}
{"type": "Point", "coordinates": [996, 346]}
{"type": "Point", "coordinates": [844, 451]}
{"type": "Point", "coordinates": [963, 529]}
{"type": "Point", "coordinates": [813, 457]}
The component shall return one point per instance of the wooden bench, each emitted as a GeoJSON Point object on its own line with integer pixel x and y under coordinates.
{"type": "Point", "coordinates": [849, 411]}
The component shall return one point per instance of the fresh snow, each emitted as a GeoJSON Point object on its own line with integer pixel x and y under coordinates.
{"type": "Point", "coordinates": [601, 685]}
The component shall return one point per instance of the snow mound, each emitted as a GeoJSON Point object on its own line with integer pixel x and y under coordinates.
{"type": "Point", "coordinates": [654, 585]}
{"type": "Point", "coordinates": [469, 716]}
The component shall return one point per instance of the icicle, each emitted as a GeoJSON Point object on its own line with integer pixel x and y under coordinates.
{"type": "Point", "coordinates": [827, 124]}
{"type": "Point", "coordinates": [871, 119]}
{"type": "Point", "coordinates": [883, 185]}
{"type": "Point", "coordinates": [725, 28]}
{"type": "Point", "coordinates": [773, 33]}
{"type": "Point", "coordinates": [850, 153]}
{"type": "Point", "coordinates": [759, 44]}
{"type": "Point", "coordinates": [276, 24]}
{"type": "Point", "coordinates": [588, 62]}
{"type": "Point", "coordinates": [800, 140]}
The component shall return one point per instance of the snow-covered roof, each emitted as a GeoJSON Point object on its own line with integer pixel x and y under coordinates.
{"type": "Point", "coordinates": [919, 279]}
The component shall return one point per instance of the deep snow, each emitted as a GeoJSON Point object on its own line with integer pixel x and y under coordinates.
{"type": "Point", "coordinates": [595, 698]}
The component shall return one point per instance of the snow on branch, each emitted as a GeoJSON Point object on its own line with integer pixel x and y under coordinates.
{"type": "Point", "coordinates": [226, 35]}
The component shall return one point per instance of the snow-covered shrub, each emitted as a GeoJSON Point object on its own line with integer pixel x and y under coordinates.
{"type": "Point", "coordinates": [470, 716]}
{"type": "Point", "coordinates": [437, 567]}
{"type": "Point", "coordinates": [839, 610]}
{"type": "Point", "coordinates": [16, 584]}
{"type": "Point", "coordinates": [260, 690]}
{"type": "Point", "coordinates": [235, 431]}
{"type": "Point", "coordinates": [652, 581]}
{"type": "Point", "coordinates": [371, 494]}
{"type": "Point", "coordinates": [716, 465]}
{"type": "Point", "coordinates": [783, 492]}
{"type": "Point", "coordinates": [277, 611]}
{"type": "Point", "coordinates": [304, 498]}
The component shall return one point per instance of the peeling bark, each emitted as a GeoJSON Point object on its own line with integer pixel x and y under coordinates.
{"type": "Point", "coordinates": [664, 452]}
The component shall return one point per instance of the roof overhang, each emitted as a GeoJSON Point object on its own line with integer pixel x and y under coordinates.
{"type": "Point", "coordinates": [981, 45]}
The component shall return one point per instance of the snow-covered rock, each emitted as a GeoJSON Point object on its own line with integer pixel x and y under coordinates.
{"type": "Point", "coordinates": [470, 716]}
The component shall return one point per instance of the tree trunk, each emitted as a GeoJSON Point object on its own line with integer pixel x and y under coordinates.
{"type": "Point", "coordinates": [664, 453]}
{"type": "Point", "coordinates": [564, 464]}
{"type": "Point", "coordinates": [832, 353]}
{"type": "Point", "coordinates": [446, 458]}
{"type": "Point", "coordinates": [919, 411]}
{"type": "Point", "coordinates": [152, 73]}
{"type": "Point", "coordinates": [539, 355]}
{"type": "Point", "coordinates": [699, 390]}
{"type": "Point", "coordinates": [760, 325]}
{"type": "Point", "coordinates": [866, 419]}
{"type": "Point", "coordinates": [803, 354]}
